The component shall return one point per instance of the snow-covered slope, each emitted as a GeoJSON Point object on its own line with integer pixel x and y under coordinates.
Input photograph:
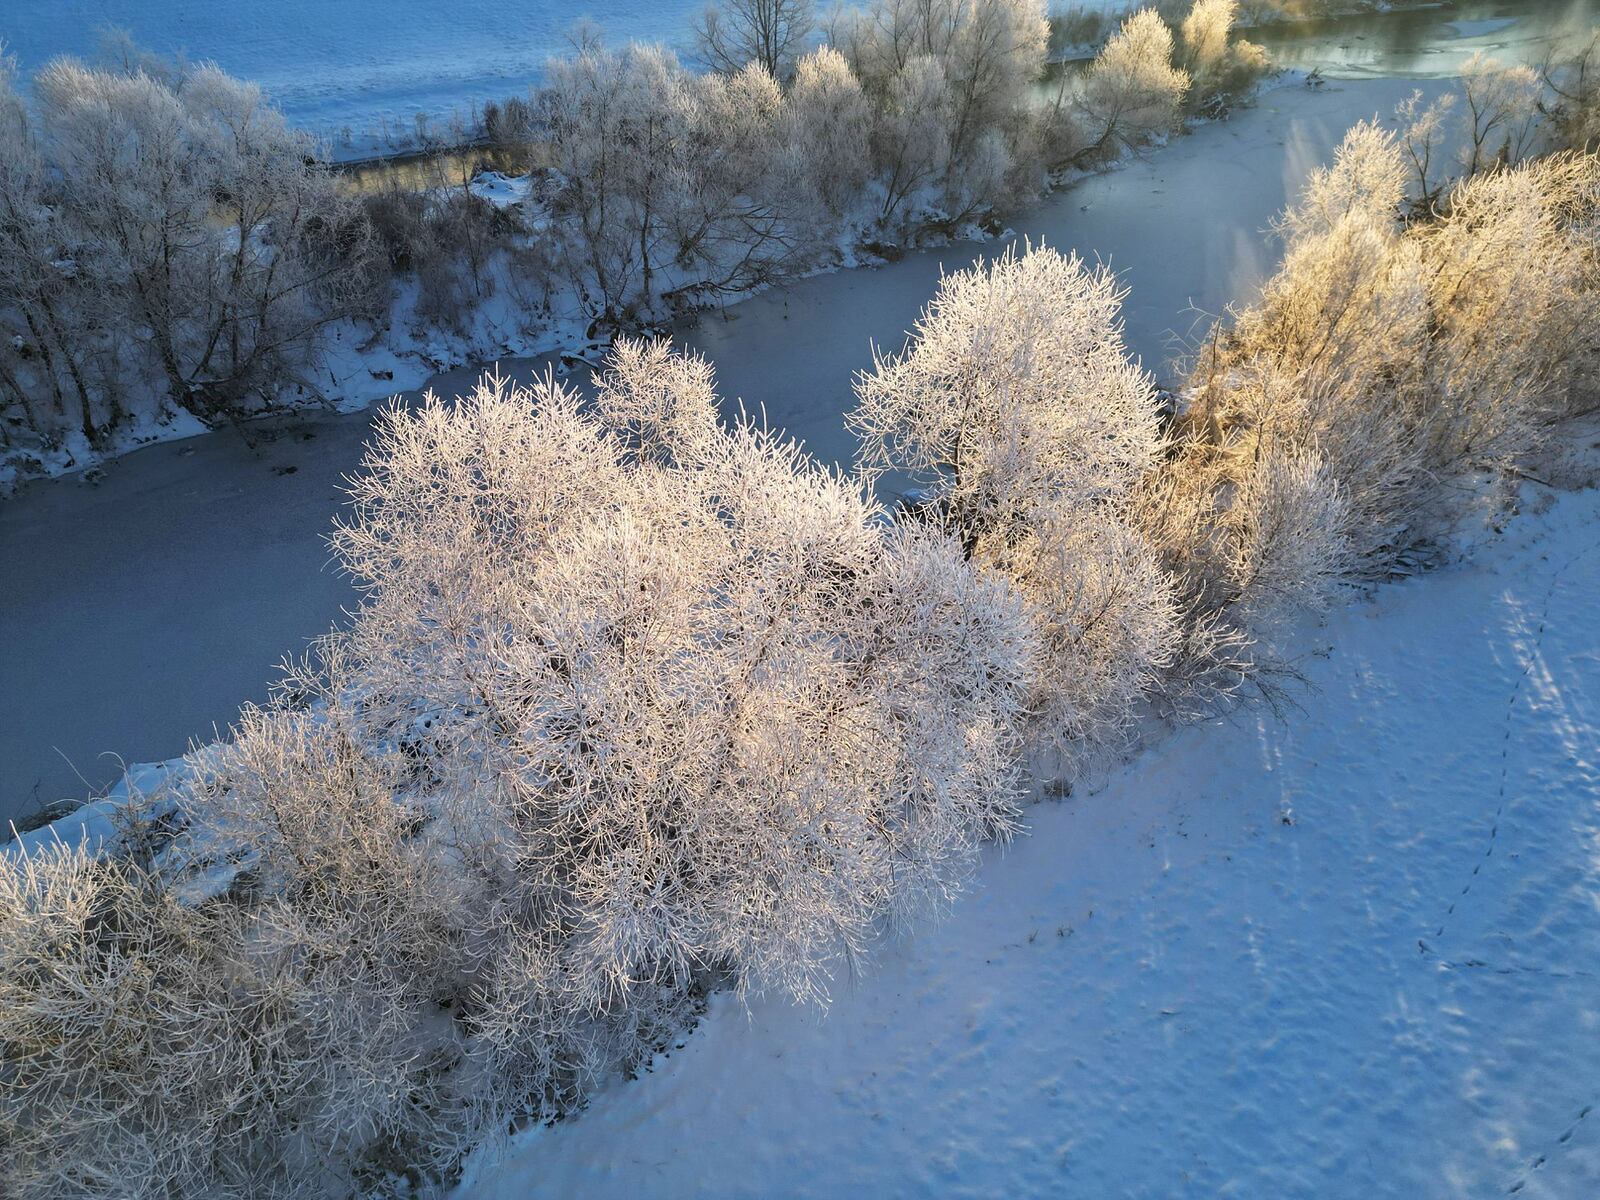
{"type": "Point", "coordinates": [1356, 953]}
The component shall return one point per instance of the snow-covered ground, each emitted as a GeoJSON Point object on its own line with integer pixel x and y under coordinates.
{"type": "Point", "coordinates": [363, 65]}
{"type": "Point", "coordinates": [1356, 953]}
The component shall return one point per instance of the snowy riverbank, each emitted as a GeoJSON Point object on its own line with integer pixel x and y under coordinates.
{"type": "Point", "coordinates": [1352, 953]}
{"type": "Point", "coordinates": [359, 73]}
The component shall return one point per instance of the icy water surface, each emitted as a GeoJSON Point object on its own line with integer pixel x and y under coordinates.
{"type": "Point", "coordinates": [1432, 41]}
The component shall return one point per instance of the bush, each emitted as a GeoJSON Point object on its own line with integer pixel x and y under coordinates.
{"type": "Point", "coordinates": [671, 684]}
{"type": "Point", "coordinates": [1016, 409]}
{"type": "Point", "coordinates": [1374, 396]}
{"type": "Point", "coordinates": [156, 1048]}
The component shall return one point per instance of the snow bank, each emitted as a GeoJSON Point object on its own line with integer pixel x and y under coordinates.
{"type": "Point", "coordinates": [1351, 954]}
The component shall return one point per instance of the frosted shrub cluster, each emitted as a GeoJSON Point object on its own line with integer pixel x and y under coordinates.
{"type": "Point", "coordinates": [1144, 81]}
{"type": "Point", "coordinates": [153, 1047]}
{"type": "Point", "coordinates": [671, 671]}
{"type": "Point", "coordinates": [635, 705]}
{"type": "Point", "coordinates": [1016, 408]}
{"type": "Point", "coordinates": [1348, 421]}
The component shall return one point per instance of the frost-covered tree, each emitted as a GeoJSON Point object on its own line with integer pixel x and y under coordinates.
{"type": "Point", "coordinates": [614, 122]}
{"type": "Point", "coordinates": [668, 183]}
{"type": "Point", "coordinates": [739, 220]}
{"type": "Point", "coordinates": [1221, 66]}
{"type": "Point", "coordinates": [1421, 128]}
{"type": "Point", "coordinates": [985, 53]}
{"type": "Point", "coordinates": [772, 34]}
{"type": "Point", "coordinates": [1501, 106]}
{"type": "Point", "coordinates": [911, 139]}
{"type": "Point", "coordinates": [1133, 90]}
{"type": "Point", "coordinates": [1204, 33]}
{"type": "Point", "coordinates": [1014, 391]}
{"type": "Point", "coordinates": [44, 330]}
{"type": "Point", "coordinates": [827, 121]}
{"type": "Point", "coordinates": [660, 404]}
{"type": "Point", "coordinates": [1365, 181]}
{"type": "Point", "coordinates": [1493, 121]}
{"type": "Point", "coordinates": [1016, 408]}
{"type": "Point", "coordinates": [201, 221]}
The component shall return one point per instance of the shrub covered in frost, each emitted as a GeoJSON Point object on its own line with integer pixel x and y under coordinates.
{"type": "Point", "coordinates": [1350, 419]}
{"type": "Point", "coordinates": [1016, 408]}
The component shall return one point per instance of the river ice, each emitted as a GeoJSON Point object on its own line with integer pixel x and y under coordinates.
{"type": "Point", "coordinates": [140, 611]}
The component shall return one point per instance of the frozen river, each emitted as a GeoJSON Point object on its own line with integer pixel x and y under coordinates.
{"type": "Point", "coordinates": [140, 612]}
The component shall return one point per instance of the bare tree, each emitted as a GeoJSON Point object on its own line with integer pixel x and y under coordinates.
{"type": "Point", "coordinates": [42, 358]}
{"type": "Point", "coordinates": [1574, 85]}
{"type": "Point", "coordinates": [1421, 128]}
{"type": "Point", "coordinates": [201, 221]}
{"type": "Point", "coordinates": [733, 34]}
{"type": "Point", "coordinates": [1502, 105]}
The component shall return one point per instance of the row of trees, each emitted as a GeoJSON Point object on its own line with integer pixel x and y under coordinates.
{"type": "Point", "coordinates": [168, 243]}
{"type": "Point", "coordinates": [912, 114]}
{"type": "Point", "coordinates": [638, 704]}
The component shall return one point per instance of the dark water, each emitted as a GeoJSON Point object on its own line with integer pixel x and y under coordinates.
{"type": "Point", "coordinates": [1431, 42]}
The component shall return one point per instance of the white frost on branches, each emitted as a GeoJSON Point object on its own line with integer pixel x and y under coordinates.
{"type": "Point", "coordinates": [1016, 407]}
